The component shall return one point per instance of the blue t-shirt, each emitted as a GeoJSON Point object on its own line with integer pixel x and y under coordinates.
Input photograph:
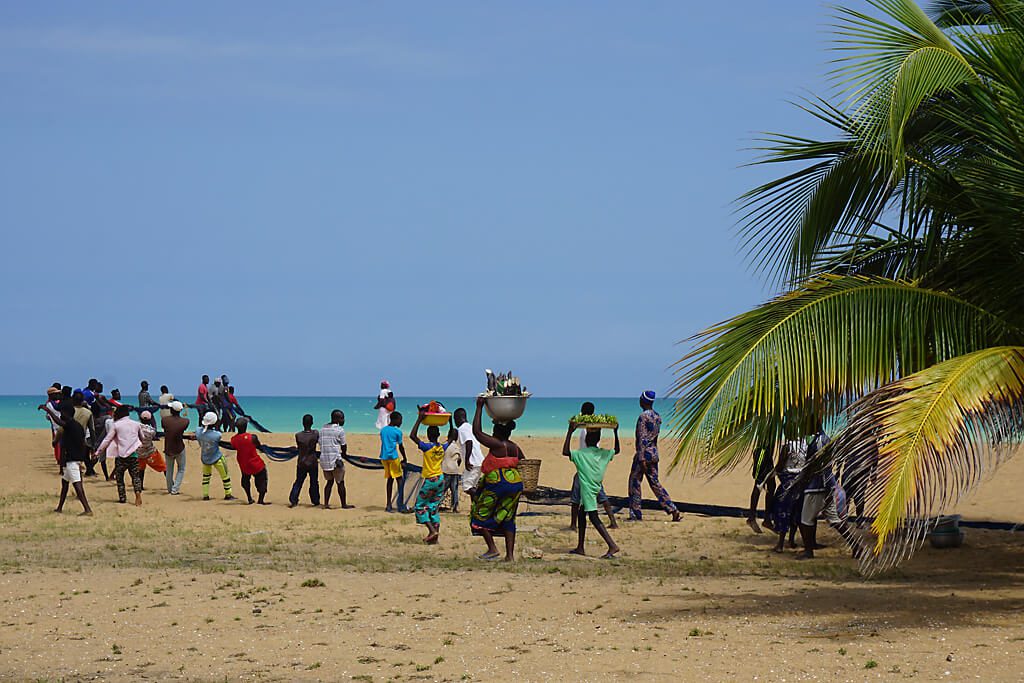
{"type": "Point", "coordinates": [209, 445]}
{"type": "Point", "coordinates": [390, 437]}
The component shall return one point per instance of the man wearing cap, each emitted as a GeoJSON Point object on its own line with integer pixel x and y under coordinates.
{"type": "Point", "coordinates": [174, 444]}
{"type": "Point", "coordinates": [645, 462]}
{"type": "Point", "coordinates": [209, 447]}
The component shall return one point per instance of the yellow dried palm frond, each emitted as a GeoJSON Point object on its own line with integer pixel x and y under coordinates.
{"type": "Point", "coordinates": [927, 440]}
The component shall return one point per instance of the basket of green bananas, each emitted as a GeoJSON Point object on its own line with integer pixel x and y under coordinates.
{"type": "Point", "coordinates": [596, 421]}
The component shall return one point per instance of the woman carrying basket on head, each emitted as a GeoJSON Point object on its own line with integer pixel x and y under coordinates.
{"type": "Point", "coordinates": [497, 499]}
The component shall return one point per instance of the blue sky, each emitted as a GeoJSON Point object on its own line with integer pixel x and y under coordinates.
{"type": "Point", "coordinates": [314, 196]}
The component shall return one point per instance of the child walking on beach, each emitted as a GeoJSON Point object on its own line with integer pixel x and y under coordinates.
{"type": "Point", "coordinates": [250, 463]}
{"type": "Point", "coordinates": [591, 463]}
{"type": "Point", "coordinates": [390, 447]}
{"type": "Point", "coordinates": [209, 452]}
{"type": "Point", "coordinates": [574, 495]}
{"type": "Point", "coordinates": [432, 490]}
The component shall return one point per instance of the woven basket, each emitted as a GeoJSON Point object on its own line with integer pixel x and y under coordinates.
{"type": "Point", "coordinates": [529, 470]}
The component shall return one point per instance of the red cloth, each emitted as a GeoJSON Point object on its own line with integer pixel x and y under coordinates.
{"type": "Point", "coordinates": [493, 462]}
{"type": "Point", "coordinates": [249, 460]}
{"type": "Point", "coordinates": [203, 395]}
{"type": "Point", "coordinates": [154, 460]}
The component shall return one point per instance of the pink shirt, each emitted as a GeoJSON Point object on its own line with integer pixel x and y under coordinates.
{"type": "Point", "coordinates": [123, 438]}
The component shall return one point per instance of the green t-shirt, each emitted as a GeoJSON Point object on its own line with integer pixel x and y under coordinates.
{"type": "Point", "coordinates": [591, 464]}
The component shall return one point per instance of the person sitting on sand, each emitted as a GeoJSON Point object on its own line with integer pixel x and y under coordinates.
{"type": "Point", "coordinates": [574, 495]}
{"type": "Point", "coordinates": [73, 454]}
{"type": "Point", "coordinates": [432, 490]}
{"type": "Point", "coordinates": [501, 485]}
{"type": "Point", "coordinates": [210, 455]}
{"type": "Point", "coordinates": [333, 448]}
{"type": "Point", "coordinates": [306, 463]}
{"type": "Point", "coordinates": [250, 463]}
{"type": "Point", "coordinates": [645, 462]}
{"type": "Point", "coordinates": [390, 447]}
{"type": "Point", "coordinates": [764, 478]}
{"type": "Point", "coordinates": [451, 468]}
{"type": "Point", "coordinates": [149, 456]}
{"type": "Point", "coordinates": [591, 463]}
{"type": "Point", "coordinates": [122, 443]}
{"type": "Point", "coordinates": [174, 444]}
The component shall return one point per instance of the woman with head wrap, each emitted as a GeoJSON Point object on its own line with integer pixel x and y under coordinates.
{"type": "Point", "coordinates": [497, 498]}
{"type": "Point", "coordinates": [645, 462]}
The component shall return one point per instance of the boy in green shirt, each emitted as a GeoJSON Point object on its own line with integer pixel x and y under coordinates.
{"type": "Point", "coordinates": [591, 463]}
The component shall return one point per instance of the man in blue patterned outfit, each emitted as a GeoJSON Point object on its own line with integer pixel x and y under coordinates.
{"type": "Point", "coordinates": [645, 462]}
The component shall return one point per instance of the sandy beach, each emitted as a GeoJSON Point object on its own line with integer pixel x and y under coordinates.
{"type": "Point", "coordinates": [188, 590]}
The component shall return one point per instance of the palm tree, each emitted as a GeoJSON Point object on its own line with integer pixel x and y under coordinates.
{"type": "Point", "coordinates": [900, 242]}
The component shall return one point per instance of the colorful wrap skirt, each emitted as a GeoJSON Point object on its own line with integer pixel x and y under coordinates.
{"type": "Point", "coordinates": [429, 500]}
{"type": "Point", "coordinates": [788, 501]}
{"type": "Point", "coordinates": [497, 500]}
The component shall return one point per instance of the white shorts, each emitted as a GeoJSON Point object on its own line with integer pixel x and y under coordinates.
{"type": "Point", "coordinates": [470, 479]}
{"type": "Point", "coordinates": [337, 472]}
{"type": "Point", "coordinates": [823, 504]}
{"type": "Point", "coordinates": [72, 472]}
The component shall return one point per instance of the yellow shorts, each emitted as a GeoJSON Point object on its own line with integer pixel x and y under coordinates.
{"type": "Point", "coordinates": [392, 468]}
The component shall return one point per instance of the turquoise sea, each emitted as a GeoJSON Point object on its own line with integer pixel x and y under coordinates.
{"type": "Point", "coordinates": [544, 416]}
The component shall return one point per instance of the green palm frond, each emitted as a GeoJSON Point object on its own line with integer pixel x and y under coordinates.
{"type": "Point", "coordinates": [929, 439]}
{"type": "Point", "coordinates": [843, 189]}
{"type": "Point", "coordinates": [915, 211]}
{"type": "Point", "coordinates": [889, 254]}
{"type": "Point", "coordinates": [817, 348]}
{"type": "Point", "coordinates": [950, 13]}
{"type": "Point", "coordinates": [888, 69]}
